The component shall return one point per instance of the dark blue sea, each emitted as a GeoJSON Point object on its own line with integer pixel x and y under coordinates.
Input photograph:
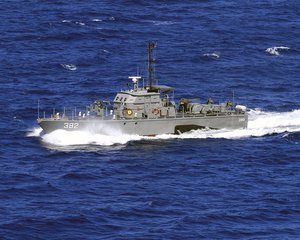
{"type": "Point", "coordinates": [205, 184]}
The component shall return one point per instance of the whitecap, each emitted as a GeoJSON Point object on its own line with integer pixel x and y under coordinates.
{"type": "Point", "coordinates": [70, 67]}
{"type": "Point", "coordinates": [34, 132]}
{"type": "Point", "coordinates": [163, 23]}
{"type": "Point", "coordinates": [276, 50]}
{"type": "Point", "coordinates": [97, 20]}
{"type": "Point", "coordinates": [80, 23]}
{"type": "Point", "coordinates": [214, 55]}
{"type": "Point", "coordinates": [112, 19]}
{"type": "Point", "coordinates": [18, 120]}
{"type": "Point", "coordinates": [66, 21]}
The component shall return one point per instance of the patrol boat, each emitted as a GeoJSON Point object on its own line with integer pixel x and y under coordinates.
{"type": "Point", "coordinates": [148, 110]}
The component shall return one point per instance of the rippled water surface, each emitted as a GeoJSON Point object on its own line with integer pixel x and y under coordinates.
{"type": "Point", "coordinates": [212, 184]}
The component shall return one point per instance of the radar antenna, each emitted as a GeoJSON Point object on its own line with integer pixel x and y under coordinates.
{"type": "Point", "coordinates": [135, 80]}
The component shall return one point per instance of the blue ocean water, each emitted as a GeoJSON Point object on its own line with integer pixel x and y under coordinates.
{"type": "Point", "coordinates": [221, 184]}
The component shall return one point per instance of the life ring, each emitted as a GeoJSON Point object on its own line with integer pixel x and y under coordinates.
{"type": "Point", "coordinates": [129, 112]}
{"type": "Point", "coordinates": [155, 111]}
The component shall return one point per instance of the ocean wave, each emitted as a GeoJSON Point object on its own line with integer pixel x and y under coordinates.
{"type": "Point", "coordinates": [214, 55]}
{"type": "Point", "coordinates": [80, 23]}
{"type": "Point", "coordinates": [34, 132]}
{"type": "Point", "coordinates": [71, 67]}
{"type": "Point", "coordinates": [276, 50]}
{"type": "Point", "coordinates": [97, 20]}
{"type": "Point", "coordinates": [163, 23]}
{"type": "Point", "coordinates": [293, 137]}
{"type": "Point", "coordinates": [260, 124]}
{"type": "Point", "coordinates": [77, 176]}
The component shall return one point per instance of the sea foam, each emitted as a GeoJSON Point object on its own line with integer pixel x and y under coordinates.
{"type": "Point", "coordinates": [71, 67]}
{"type": "Point", "coordinates": [276, 50]}
{"type": "Point", "coordinates": [214, 55]}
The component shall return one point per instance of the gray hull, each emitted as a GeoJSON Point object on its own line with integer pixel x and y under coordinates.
{"type": "Point", "coordinates": [145, 127]}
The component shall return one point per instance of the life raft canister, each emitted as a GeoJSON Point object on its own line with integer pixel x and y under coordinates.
{"type": "Point", "coordinates": [155, 111]}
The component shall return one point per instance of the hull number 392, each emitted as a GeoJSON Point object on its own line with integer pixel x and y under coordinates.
{"type": "Point", "coordinates": [71, 125]}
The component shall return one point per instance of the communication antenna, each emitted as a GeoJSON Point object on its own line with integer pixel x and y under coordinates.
{"type": "Point", "coordinates": [151, 46]}
{"type": "Point", "coordinates": [38, 108]}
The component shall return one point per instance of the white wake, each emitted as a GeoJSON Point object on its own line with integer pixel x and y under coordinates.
{"type": "Point", "coordinates": [260, 124]}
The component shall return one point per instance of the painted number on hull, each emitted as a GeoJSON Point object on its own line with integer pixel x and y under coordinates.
{"type": "Point", "coordinates": [71, 125]}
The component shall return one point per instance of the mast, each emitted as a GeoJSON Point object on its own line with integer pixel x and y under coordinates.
{"type": "Point", "coordinates": [151, 46]}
